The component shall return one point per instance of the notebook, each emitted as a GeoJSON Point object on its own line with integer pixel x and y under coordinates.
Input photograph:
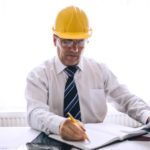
{"type": "Point", "coordinates": [102, 134]}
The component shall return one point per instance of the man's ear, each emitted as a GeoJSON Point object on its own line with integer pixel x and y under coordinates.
{"type": "Point", "coordinates": [54, 39]}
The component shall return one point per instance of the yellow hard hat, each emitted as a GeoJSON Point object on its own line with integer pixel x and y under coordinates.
{"type": "Point", "coordinates": [72, 23]}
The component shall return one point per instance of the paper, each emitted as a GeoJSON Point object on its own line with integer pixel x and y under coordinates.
{"type": "Point", "coordinates": [101, 134]}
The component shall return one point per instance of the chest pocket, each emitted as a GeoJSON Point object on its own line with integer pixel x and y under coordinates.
{"type": "Point", "coordinates": [97, 97]}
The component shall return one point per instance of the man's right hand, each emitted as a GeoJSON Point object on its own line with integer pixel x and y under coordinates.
{"type": "Point", "coordinates": [72, 131]}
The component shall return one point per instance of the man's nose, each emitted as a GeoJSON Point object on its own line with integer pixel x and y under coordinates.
{"type": "Point", "coordinates": [75, 47]}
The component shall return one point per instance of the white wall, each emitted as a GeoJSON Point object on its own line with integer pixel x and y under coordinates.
{"type": "Point", "coordinates": [121, 39]}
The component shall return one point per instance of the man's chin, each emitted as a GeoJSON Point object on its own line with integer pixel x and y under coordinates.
{"type": "Point", "coordinates": [72, 61]}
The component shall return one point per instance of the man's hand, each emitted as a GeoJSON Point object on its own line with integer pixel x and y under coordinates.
{"type": "Point", "coordinates": [72, 131]}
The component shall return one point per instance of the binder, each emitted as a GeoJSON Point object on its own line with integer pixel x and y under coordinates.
{"type": "Point", "coordinates": [43, 142]}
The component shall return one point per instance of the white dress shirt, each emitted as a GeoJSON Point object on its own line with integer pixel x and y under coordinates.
{"type": "Point", "coordinates": [96, 84]}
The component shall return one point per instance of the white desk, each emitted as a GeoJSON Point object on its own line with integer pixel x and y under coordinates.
{"type": "Point", "coordinates": [12, 138]}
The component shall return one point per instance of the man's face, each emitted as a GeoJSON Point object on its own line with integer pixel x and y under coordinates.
{"type": "Point", "coordinates": [69, 51]}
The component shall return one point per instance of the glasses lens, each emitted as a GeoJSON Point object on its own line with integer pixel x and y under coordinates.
{"type": "Point", "coordinates": [70, 43]}
{"type": "Point", "coordinates": [81, 43]}
{"type": "Point", "coordinates": [66, 43]}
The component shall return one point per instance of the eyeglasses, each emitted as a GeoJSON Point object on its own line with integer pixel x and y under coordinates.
{"type": "Point", "coordinates": [70, 43]}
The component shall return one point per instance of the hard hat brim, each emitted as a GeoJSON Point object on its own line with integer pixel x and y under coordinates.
{"type": "Point", "coordinates": [67, 35]}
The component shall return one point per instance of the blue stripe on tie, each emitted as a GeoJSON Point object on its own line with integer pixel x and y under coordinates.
{"type": "Point", "coordinates": [68, 86]}
{"type": "Point", "coordinates": [70, 71]}
{"type": "Point", "coordinates": [71, 104]}
{"type": "Point", "coordinates": [66, 93]}
{"type": "Point", "coordinates": [77, 115]}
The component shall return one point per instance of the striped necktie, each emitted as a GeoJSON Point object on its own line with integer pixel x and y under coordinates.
{"type": "Point", "coordinates": [71, 99]}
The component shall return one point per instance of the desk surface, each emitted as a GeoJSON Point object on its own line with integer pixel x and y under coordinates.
{"type": "Point", "coordinates": [14, 137]}
{"type": "Point", "coordinates": [17, 137]}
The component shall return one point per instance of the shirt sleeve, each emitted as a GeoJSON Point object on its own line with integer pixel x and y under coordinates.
{"type": "Point", "coordinates": [38, 112]}
{"type": "Point", "coordinates": [123, 100]}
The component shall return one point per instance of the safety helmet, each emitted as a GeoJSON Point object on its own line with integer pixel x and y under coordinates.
{"type": "Point", "coordinates": [72, 23]}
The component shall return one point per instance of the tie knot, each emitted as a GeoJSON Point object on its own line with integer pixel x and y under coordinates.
{"type": "Point", "coordinates": [71, 70]}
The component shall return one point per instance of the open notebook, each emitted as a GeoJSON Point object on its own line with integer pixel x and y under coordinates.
{"type": "Point", "coordinates": [102, 134]}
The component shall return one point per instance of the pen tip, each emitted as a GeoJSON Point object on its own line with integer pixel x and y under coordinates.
{"type": "Point", "coordinates": [88, 140]}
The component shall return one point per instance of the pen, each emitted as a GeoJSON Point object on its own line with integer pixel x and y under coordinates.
{"type": "Point", "coordinates": [75, 121]}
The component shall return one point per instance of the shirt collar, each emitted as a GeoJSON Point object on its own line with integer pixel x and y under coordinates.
{"type": "Point", "coordinates": [60, 67]}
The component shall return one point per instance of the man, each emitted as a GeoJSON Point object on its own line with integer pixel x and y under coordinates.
{"type": "Point", "coordinates": [71, 83]}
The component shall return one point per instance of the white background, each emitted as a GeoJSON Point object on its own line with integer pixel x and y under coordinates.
{"type": "Point", "coordinates": [121, 39]}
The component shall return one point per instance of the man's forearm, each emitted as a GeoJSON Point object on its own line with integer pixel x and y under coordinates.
{"type": "Point", "coordinates": [45, 121]}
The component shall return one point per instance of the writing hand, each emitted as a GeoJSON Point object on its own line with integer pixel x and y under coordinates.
{"type": "Point", "coordinates": [72, 131]}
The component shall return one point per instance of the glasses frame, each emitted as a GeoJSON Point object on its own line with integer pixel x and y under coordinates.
{"type": "Point", "coordinates": [71, 42]}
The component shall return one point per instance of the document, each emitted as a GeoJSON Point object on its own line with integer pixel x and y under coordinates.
{"type": "Point", "coordinates": [102, 134]}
